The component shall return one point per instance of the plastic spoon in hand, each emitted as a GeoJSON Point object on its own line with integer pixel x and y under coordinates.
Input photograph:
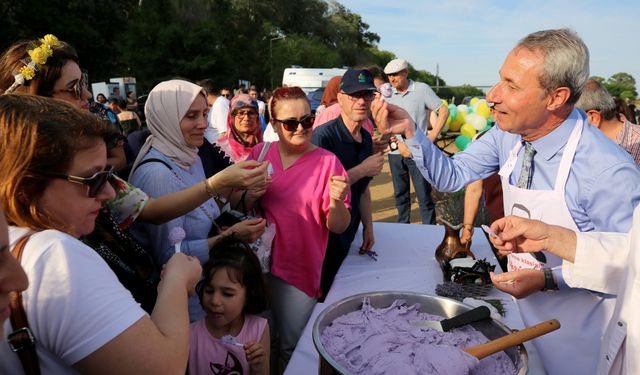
{"type": "Point", "coordinates": [516, 338]}
{"type": "Point", "coordinates": [230, 340]}
{"type": "Point", "coordinates": [467, 317]}
{"type": "Point", "coordinates": [489, 231]}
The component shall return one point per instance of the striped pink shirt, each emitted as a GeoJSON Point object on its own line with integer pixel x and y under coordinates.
{"type": "Point", "coordinates": [629, 139]}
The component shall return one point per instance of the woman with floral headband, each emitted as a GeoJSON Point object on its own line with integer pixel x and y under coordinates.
{"type": "Point", "coordinates": [244, 128]}
{"type": "Point", "coordinates": [49, 67]}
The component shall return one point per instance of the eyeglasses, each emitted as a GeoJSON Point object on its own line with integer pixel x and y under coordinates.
{"type": "Point", "coordinates": [366, 95]}
{"type": "Point", "coordinates": [78, 88]}
{"type": "Point", "coordinates": [291, 125]}
{"type": "Point", "coordinates": [246, 113]}
{"type": "Point", "coordinates": [226, 95]}
{"type": "Point", "coordinates": [96, 182]}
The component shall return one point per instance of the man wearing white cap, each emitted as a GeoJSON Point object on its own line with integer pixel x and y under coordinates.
{"type": "Point", "coordinates": [417, 99]}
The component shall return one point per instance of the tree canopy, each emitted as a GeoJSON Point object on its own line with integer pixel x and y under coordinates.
{"type": "Point", "coordinates": [225, 40]}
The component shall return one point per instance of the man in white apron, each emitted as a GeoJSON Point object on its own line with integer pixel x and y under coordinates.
{"type": "Point", "coordinates": [568, 174]}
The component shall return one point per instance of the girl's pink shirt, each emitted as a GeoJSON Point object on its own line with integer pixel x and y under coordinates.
{"type": "Point", "coordinates": [208, 355]}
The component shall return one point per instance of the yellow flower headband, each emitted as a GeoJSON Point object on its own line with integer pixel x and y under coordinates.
{"type": "Point", "coordinates": [37, 57]}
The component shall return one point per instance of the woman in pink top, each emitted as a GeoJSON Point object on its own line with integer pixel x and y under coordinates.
{"type": "Point", "coordinates": [307, 198]}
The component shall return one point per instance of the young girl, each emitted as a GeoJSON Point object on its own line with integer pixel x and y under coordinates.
{"type": "Point", "coordinates": [230, 339]}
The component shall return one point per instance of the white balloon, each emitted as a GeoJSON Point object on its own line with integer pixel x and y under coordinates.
{"type": "Point", "coordinates": [478, 122]}
{"type": "Point", "coordinates": [463, 108]}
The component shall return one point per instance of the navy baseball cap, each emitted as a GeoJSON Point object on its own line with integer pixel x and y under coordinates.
{"type": "Point", "coordinates": [357, 80]}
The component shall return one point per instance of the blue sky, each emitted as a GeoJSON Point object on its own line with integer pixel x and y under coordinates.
{"type": "Point", "coordinates": [469, 39]}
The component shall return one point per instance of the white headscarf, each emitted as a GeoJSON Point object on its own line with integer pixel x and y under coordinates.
{"type": "Point", "coordinates": [166, 105]}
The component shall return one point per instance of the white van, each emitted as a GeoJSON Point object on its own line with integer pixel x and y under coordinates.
{"type": "Point", "coordinates": [309, 79]}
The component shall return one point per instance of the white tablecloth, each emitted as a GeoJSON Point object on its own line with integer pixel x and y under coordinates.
{"type": "Point", "coordinates": [406, 262]}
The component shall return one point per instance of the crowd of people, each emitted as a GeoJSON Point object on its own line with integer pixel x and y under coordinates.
{"type": "Point", "coordinates": [202, 241]}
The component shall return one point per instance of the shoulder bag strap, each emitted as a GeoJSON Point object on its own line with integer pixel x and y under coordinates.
{"type": "Point", "coordinates": [21, 340]}
{"type": "Point", "coordinates": [152, 160]}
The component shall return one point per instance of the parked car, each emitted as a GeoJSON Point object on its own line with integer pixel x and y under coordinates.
{"type": "Point", "coordinates": [315, 97]}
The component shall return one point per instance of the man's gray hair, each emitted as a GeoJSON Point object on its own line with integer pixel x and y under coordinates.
{"type": "Point", "coordinates": [596, 97]}
{"type": "Point", "coordinates": [566, 60]}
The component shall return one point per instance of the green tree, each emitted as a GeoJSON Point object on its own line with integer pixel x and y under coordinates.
{"type": "Point", "coordinates": [622, 83]}
{"type": "Point", "coordinates": [89, 26]}
{"type": "Point", "coordinates": [459, 92]}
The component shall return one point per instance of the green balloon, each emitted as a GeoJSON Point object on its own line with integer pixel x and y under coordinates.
{"type": "Point", "coordinates": [453, 111]}
{"type": "Point", "coordinates": [462, 142]}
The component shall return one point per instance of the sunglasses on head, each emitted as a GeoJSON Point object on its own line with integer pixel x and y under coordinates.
{"type": "Point", "coordinates": [95, 183]}
{"type": "Point", "coordinates": [292, 124]}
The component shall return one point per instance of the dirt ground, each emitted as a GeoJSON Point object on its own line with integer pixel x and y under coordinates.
{"type": "Point", "coordinates": [383, 204]}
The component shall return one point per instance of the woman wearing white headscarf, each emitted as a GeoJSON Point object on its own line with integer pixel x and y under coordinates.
{"type": "Point", "coordinates": [176, 113]}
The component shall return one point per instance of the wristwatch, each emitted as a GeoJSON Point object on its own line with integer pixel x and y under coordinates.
{"type": "Point", "coordinates": [549, 281]}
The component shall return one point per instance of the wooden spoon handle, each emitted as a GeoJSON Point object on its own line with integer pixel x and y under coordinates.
{"type": "Point", "coordinates": [518, 337]}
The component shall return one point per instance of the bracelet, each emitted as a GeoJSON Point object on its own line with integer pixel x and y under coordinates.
{"type": "Point", "coordinates": [210, 192]}
{"type": "Point", "coordinates": [468, 226]}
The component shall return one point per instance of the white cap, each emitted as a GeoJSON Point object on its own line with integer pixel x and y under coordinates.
{"type": "Point", "coordinates": [396, 65]}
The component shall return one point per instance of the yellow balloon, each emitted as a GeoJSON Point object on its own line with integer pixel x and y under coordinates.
{"type": "Point", "coordinates": [455, 124]}
{"type": "Point", "coordinates": [462, 116]}
{"type": "Point", "coordinates": [445, 128]}
{"type": "Point", "coordinates": [445, 102]}
{"type": "Point", "coordinates": [483, 109]}
{"type": "Point", "coordinates": [468, 130]}
{"type": "Point", "coordinates": [473, 101]}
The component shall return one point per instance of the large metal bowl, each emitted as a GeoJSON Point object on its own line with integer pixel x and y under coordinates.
{"type": "Point", "coordinates": [442, 306]}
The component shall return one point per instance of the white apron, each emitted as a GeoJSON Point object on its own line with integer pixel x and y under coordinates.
{"type": "Point", "coordinates": [583, 315]}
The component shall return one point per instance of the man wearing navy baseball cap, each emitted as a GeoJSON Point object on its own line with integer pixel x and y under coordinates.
{"type": "Point", "coordinates": [345, 137]}
{"type": "Point", "coordinates": [354, 80]}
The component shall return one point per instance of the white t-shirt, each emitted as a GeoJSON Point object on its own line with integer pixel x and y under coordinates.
{"type": "Point", "coordinates": [261, 107]}
{"type": "Point", "coordinates": [74, 302]}
{"type": "Point", "coordinates": [270, 135]}
{"type": "Point", "coordinates": [218, 114]}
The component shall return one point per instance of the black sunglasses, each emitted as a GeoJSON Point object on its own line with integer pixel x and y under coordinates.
{"type": "Point", "coordinates": [366, 95]}
{"type": "Point", "coordinates": [96, 182]}
{"type": "Point", "coordinates": [292, 124]}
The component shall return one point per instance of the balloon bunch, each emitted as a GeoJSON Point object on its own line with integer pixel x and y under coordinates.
{"type": "Point", "coordinates": [469, 120]}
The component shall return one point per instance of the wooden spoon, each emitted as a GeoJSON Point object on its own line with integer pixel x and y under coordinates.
{"type": "Point", "coordinates": [513, 339]}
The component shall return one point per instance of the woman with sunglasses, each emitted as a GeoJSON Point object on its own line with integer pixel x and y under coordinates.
{"type": "Point", "coordinates": [308, 197]}
{"type": "Point", "coordinates": [58, 75]}
{"type": "Point", "coordinates": [53, 181]}
{"type": "Point", "coordinates": [176, 114]}
{"type": "Point", "coordinates": [243, 128]}
{"type": "Point", "coordinates": [59, 78]}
